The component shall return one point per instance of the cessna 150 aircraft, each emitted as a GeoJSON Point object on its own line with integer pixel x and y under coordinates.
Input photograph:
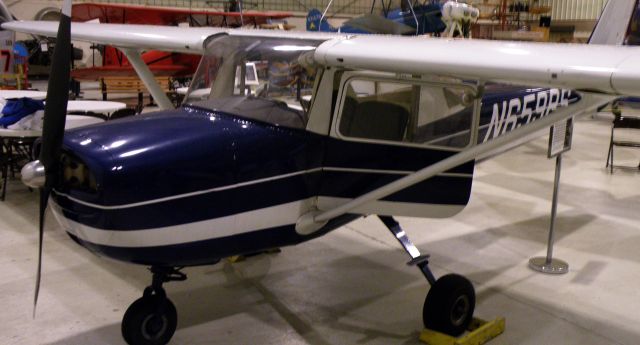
{"type": "Point", "coordinates": [258, 158]}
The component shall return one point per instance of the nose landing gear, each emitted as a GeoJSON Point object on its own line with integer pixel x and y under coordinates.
{"type": "Point", "coordinates": [152, 319]}
{"type": "Point", "coordinates": [449, 305]}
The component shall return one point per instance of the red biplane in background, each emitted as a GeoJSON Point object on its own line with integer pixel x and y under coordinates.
{"type": "Point", "coordinates": [161, 63]}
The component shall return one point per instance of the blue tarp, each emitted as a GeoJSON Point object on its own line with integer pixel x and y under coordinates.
{"type": "Point", "coordinates": [17, 108]}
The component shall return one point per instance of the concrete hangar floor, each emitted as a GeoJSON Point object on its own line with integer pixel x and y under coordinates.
{"type": "Point", "coordinates": [352, 286]}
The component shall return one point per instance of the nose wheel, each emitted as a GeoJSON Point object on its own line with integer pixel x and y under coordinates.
{"type": "Point", "coordinates": [449, 305]}
{"type": "Point", "coordinates": [152, 319]}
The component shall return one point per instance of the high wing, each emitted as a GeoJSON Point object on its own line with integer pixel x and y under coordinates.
{"type": "Point", "coordinates": [149, 37]}
{"type": "Point", "coordinates": [593, 68]}
{"type": "Point", "coordinates": [139, 37]}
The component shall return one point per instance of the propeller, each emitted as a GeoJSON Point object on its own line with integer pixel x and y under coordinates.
{"type": "Point", "coordinates": [55, 114]}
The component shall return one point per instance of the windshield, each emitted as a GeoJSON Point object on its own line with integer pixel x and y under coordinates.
{"type": "Point", "coordinates": [269, 73]}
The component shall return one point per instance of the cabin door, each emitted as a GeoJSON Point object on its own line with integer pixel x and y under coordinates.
{"type": "Point", "coordinates": [387, 126]}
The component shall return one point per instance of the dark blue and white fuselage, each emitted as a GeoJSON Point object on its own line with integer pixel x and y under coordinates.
{"type": "Point", "coordinates": [233, 170]}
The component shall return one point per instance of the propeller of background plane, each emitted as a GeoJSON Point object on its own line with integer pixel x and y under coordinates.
{"type": "Point", "coordinates": [43, 173]}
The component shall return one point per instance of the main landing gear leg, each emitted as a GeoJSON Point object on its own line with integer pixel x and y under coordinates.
{"type": "Point", "coordinates": [152, 319]}
{"type": "Point", "coordinates": [451, 300]}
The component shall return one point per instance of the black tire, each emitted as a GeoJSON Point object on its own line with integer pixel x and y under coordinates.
{"type": "Point", "coordinates": [449, 305]}
{"type": "Point", "coordinates": [150, 320]}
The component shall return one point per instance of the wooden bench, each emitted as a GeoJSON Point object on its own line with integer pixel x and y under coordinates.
{"type": "Point", "coordinates": [132, 85]}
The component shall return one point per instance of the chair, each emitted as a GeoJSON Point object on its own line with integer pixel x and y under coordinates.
{"type": "Point", "coordinates": [622, 122]}
{"type": "Point", "coordinates": [126, 112]}
{"type": "Point", "coordinates": [89, 113]}
{"type": "Point", "coordinates": [14, 153]}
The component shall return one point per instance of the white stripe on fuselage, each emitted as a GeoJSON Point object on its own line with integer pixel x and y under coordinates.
{"type": "Point", "coordinates": [240, 223]}
{"type": "Point", "coordinates": [265, 218]}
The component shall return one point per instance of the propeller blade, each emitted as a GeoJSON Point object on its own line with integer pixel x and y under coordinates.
{"type": "Point", "coordinates": [55, 111]}
{"type": "Point", "coordinates": [44, 196]}
{"type": "Point", "coordinates": [55, 117]}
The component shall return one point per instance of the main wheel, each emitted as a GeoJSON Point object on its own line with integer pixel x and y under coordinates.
{"type": "Point", "coordinates": [449, 305]}
{"type": "Point", "coordinates": [150, 320]}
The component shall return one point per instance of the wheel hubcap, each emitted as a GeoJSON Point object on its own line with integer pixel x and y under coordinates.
{"type": "Point", "coordinates": [459, 310]}
{"type": "Point", "coordinates": [154, 326]}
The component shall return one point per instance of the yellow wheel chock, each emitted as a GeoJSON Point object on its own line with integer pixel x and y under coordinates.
{"type": "Point", "coordinates": [236, 258]}
{"type": "Point", "coordinates": [480, 332]}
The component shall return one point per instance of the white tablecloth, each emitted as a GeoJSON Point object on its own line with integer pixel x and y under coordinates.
{"type": "Point", "coordinates": [73, 121]}
{"type": "Point", "coordinates": [101, 107]}
{"type": "Point", "coordinates": [6, 94]}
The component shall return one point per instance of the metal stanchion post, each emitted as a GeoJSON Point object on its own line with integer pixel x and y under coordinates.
{"type": "Point", "coordinates": [548, 264]}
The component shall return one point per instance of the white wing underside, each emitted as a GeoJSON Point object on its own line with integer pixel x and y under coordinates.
{"type": "Point", "coordinates": [148, 37]}
{"type": "Point", "coordinates": [591, 68]}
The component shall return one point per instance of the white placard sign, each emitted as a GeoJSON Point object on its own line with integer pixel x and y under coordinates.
{"type": "Point", "coordinates": [560, 137]}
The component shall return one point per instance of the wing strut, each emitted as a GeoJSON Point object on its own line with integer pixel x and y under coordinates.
{"type": "Point", "coordinates": [315, 220]}
{"type": "Point", "coordinates": [147, 78]}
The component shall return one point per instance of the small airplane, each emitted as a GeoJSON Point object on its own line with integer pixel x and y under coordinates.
{"type": "Point", "coordinates": [406, 20]}
{"type": "Point", "coordinates": [257, 158]}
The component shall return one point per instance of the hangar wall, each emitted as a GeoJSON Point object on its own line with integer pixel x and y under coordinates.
{"type": "Point", "coordinates": [561, 9]}
{"type": "Point", "coordinates": [574, 9]}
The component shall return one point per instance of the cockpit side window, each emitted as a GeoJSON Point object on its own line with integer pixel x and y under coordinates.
{"type": "Point", "coordinates": [405, 111]}
{"type": "Point", "coordinates": [376, 110]}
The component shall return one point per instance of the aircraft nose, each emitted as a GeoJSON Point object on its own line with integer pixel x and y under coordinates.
{"type": "Point", "coordinates": [149, 157]}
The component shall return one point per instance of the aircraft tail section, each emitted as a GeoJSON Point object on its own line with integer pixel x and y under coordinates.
{"type": "Point", "coordinates": [313, 20]}
{"type": "Point", "coordinates": [619, 23]}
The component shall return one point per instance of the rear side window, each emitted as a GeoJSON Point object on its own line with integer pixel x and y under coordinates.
{"type": "Point", "coordinates": [399, 111]}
